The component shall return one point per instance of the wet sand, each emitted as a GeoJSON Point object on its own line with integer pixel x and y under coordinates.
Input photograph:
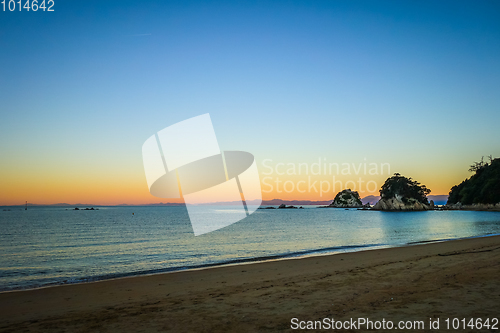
{"type": "Point", "coordinates": [453, 279]}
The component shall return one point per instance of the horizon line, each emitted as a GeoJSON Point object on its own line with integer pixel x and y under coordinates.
{"type": "Point", "coordinates": [309, 202]}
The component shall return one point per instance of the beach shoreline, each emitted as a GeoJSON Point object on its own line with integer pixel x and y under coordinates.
{"type": "Point", "coordinates": [242, 261]}
{"type": "Point", "coordinates": [448, 279]}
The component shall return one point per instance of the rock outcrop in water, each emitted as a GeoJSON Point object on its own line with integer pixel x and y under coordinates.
{"type": "Point", "coordinates": [346, 199]}
{"type": "Point", "coordinates": [283, 206]}
{"type": "Point", "coordinates": [402, 194]}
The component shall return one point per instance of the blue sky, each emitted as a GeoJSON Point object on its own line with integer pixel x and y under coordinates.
{"type": "Point", "coordinates": [412, 83]}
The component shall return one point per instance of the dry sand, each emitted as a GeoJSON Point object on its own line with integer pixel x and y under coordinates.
{"type": "Point", "coordinates": [454, 279]}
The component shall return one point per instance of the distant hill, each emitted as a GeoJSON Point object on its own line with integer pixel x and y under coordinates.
{"type": "Point", "coordinates": [93, 205]}
{"type": "Point", "coordinates": [438, 199]}
{"type": "Point", "coordinates": [162, 204]}
{"type": "Point", "coordinates": [371, 199]}
{"type": "Point", "coordinates": [482, 188]}
{"type": "Point", "coordinates": [277, 202]}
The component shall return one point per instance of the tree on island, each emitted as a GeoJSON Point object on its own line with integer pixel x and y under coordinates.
{"type": "Point", "coordinates": [405, 189]}
{"type": "Point", "coordinates": [403, 194]}
{"type": "Point", "coordinates": [481, 188]}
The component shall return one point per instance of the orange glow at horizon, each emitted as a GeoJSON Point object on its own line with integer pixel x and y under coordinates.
{"type": "Point", "coordinates": [125, 189]}
{"type": "Point", "coordinates": [111, 184]}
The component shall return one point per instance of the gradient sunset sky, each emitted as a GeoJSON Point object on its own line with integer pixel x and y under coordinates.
{"type": "Point", "coordinates": [414, 84]}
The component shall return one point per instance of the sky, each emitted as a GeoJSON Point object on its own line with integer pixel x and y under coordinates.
{"type": "Point", "coordinates": [408, 85]}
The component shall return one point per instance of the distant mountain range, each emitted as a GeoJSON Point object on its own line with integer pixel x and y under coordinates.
{"type": "Point", "coordinates": [371, 199]}
{"type": "Point", "coordinates": [277, 202]}
{"type": "Point", "coordinates": [93, 205]}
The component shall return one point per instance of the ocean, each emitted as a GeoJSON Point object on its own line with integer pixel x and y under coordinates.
{"type": "Point", "coordinates": [45, 246]}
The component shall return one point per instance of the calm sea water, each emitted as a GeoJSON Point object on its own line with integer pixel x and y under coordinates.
{"type": "Point", "coordinates": [55, 245]}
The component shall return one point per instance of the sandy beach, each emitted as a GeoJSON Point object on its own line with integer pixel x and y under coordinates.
{"type": "Point", "coordinates": [453, 279]}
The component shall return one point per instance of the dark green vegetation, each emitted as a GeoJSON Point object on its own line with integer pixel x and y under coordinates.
{"type": "Point", "coordinates": [404, 188]}
{"type": "Point", "coordinates": [482, 188]}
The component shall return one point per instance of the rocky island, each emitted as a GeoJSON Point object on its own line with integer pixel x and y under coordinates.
{"type": "Point", "coordinates": [346, 199]}
{"type": "Point", "coordinates": [403, 194]}
{"type": "Point", "coordinates": [283, 206]}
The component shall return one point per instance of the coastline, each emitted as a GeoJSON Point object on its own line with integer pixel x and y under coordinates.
{"type": "Point", "coordinates": [413, 282]}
